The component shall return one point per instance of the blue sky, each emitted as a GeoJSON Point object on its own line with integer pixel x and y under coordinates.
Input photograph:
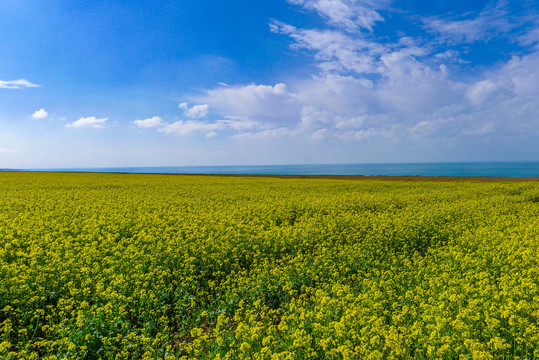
{"type": "Point", "coordinates": [139, 83]}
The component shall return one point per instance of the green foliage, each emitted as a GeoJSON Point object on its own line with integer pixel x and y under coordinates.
{"type": "Point", "coordinates": [118, 266]}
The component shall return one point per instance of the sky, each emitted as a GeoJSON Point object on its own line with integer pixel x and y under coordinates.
{"type": "Point", "coordinates": [238, 82]}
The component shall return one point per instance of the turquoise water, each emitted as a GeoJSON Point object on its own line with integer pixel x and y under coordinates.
{"type": "Point", "coordinates": [513, 169]}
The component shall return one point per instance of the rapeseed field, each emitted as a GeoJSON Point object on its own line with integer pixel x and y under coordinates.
{"type": "Point", "coordinates": [119, 266]}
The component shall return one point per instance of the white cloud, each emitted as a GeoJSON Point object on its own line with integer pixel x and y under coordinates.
{"type": "Point", "coordinates": [264, 103]}
{"type": "Point", "coordinates": [91, 121]}
{"type": "Point", "coordinates": [411, 101]}
{"type": "Point", "coordinates": [40, 114]}
{"type": "Point", "coordinates": [340, 53]}
{"type": "Point", "coordinates": [339, 107]}
{"type": "Point", "coordinates": [152, 122]}
{"type": "Point", "coordinates": [196, 111]}
{"type": "Point", "coordinates": [491, 22]}
{"type": "Point", "coordinates": [457, 31]}
{"type": "Point", "coordinates": [191, 126]}
{"type": "Point", "coordinates": [530, 38]}
{"type": "Point", "coordinates": [342, 95]}
{"type": "Point", "coordinates": [350, 15]}
{"type": "Point", "coordinates": [313, 118]}
{"type": "Point", "coordinates": [16, 84]}
{"type": "Point", "coordinates": [335, 50]}
{"type": "Point", "coordinates": [404, 63]}
{"type": "Point", "coordinates": [524, 73]}
{"type": "Point", "coordinates": [489, 89]}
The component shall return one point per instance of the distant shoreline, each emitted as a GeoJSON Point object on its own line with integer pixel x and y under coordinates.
{"type": "Point", "coordinates": [447, 178]}
{"type": "Point", "coordinates": [443, 170]}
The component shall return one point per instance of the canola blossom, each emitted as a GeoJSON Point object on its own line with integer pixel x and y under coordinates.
{"type": "Point", "coordinates": [133, 266]}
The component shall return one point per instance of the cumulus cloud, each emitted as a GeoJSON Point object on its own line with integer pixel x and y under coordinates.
{"type": "Point", "coordinates": [152, 122]}
{"type": "Point", "coordinates": [16, 84]}
{"type": "Point", "coordinates": [40, 114]}
{"type": "Point", "coordinates": [91, 121]}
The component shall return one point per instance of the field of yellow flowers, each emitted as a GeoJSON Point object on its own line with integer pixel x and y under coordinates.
{"type": "Point", "coordinates": [119, 266]}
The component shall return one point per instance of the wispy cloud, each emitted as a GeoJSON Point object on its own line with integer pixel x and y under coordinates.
{"type": "Point", "coordinates": [494, 20]}
{"type": "Point", "coordinates": [16, 84]}
{"type": "Point", "coordinates": [189, 127]}
{"type": "Point", "coordinates": [350, 15]}
{"type": "Point", "coordinates": [91, 121]}
{"type": "Point", "coordinates": [192, 126]}
{"type": "Point", "coordinates": [530, 37]}
{"type": "Point", "coordinates": [40, 114]}
{"type": "Point", "coordinates": [335, 50]}
{"type": "Point", "coordinates": [8, 151]}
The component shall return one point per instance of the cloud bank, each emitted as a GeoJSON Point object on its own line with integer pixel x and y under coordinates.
{"type": "Point", "coordinates": [404, 88]}
{"type": "Point", "coordinates": [372, 86]}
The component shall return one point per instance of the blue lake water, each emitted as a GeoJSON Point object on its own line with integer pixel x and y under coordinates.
{"type": "Point", "coordinates": [512, 169]}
